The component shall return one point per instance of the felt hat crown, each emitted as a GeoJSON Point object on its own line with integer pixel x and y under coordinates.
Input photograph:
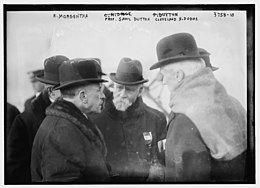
{"type": "Point", "coordinates": [77, 72]}
{"type": "Point", "coordinates": [51, 69]}
{"type": "Point", "coordinates": [176, 47]}
{"type": "Point", "coordinates": [98, 66]}
{"type": "Point", "coordinates": [129, 72]}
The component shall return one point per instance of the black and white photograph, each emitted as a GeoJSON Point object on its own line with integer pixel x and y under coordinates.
{"type": "Point", "coordinates": [129, 94]}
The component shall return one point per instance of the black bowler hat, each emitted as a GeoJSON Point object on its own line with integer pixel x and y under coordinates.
{"type": "Point", "coordinates": [206, 59]}
{"type": "Point", "coordinates": [51, 69]}
{"type": "Point", "coordinates": [176, 47]}
{"type": "Point", "coordinates": [97, 62]}
{"type": "Point", "coordinates": [129, 72]}
{"type": "Point", "coordinates": [77, 72]}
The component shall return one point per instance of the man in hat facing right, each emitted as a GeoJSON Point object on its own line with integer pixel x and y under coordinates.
{"type": "Point", "coordinates": [68, 147]}
{"type": "Point", "coordinates": [207, 131]}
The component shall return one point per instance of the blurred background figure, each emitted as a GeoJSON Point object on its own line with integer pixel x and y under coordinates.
{"type": "Point", "coordinates": [26, 124]}
{"type": "Point", "coordinates": [11, 113]}
{"type": "Point", "coordinates": [36, 85]}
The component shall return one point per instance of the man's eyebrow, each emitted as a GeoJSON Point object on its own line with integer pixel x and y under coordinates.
{"type": "Point", "coordinates": [131, 87]}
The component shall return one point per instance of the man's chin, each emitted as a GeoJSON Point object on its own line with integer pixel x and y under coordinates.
{"type": "Point", "coordinates": [121, 110]}
{"type": "Point", "coordinates": [121, 107]}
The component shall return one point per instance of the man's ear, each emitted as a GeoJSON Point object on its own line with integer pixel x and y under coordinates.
{"type": "Point", "coordinates": [51, 93]}
{"type": "Point", "coordinates": [83, 96]}
{"type": "Point", "coordinates": [141, 90]}
{"type": "Point", "coordinates": [180, 75]}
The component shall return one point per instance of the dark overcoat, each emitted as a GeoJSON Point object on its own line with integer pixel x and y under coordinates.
{"type": "Point", "coordinates": [195, 163]}
{"type": "Point", "coordinates": [11, 113]}
{"type": "Point", "coordinates": [128, 153]}
{"type": "Point", "coordinates": [68, 147]}
{"type": "Point", "coordinates": [28, 103]}
{"type": "Point", "coordinates": [20, 140]}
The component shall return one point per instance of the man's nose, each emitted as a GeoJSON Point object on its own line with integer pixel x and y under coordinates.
{"type": "Point", "coordinates": [102, 96]}
{"type": "Point", "coordinates": [159, 77]}
{"type": "Point", "coordinates": [123, 93]}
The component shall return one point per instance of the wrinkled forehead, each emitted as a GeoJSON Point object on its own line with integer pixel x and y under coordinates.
{"type": "Point", "coordinates": [169, 67]}
{"type": "Point", "coordinates": [164, 69]}
{"type": "Point", "coordinates": [96, 85]}
{"type": "Point", "coordinates": [133, 87]}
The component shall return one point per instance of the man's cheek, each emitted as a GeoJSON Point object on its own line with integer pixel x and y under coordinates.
{"type": "Point", "coordinates": [116, 94]}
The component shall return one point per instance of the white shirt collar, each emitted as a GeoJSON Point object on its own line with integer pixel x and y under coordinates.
{"type": "Point", "coordinates": [51, 100]}
{"type": "Point", "coordinates": [85, 115]}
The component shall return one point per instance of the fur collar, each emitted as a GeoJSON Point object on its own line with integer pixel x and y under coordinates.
{"type": "Point", "coordinates": [70, 112]}
{"type": "Point", "coordinates": [220, 118]}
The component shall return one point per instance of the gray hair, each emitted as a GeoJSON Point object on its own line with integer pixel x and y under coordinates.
{"type": "Point", "coordinates": [188, 66]}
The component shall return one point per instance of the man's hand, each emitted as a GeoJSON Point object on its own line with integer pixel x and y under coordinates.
{"type": "Point", "coordinates": [156, 173]}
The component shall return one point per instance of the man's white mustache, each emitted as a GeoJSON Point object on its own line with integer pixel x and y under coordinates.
{"type": "Point", "coordinates": [121, 104]}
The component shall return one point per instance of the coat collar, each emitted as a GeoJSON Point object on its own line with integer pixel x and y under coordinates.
{"type": "Point", "coordinates": [67, 110]}
{"type": "Point", "coordinates": [220, 118]}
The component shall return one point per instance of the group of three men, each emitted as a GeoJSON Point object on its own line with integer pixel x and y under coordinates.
{"type": "Point", "coordinates": [91, 134]}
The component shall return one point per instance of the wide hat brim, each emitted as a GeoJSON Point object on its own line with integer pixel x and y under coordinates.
{"type": "Point", "coordinates": [78, 83]}
{"type": "Point", "coordinates": [169, 60]}
{"type": "Point", "coordinates": [112, 76]}
{"type": "Point", "coordinates": [45, 81]}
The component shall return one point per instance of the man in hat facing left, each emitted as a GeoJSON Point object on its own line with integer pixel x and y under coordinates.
{"type": "Point", "coordinates": [207, 132]}
{"type": "Point", "coordinates": [131, 129]}
{"type": "Point", "coordinates": [68, 147]}
{"type": "Point", "coordinates": [26, 124]}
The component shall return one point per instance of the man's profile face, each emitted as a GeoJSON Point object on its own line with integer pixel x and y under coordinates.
{"type": "Point", "coordinates": [95, 97]}
{"type": "Point", "coordinates": [125, 96]}
{"type": "Point", "coordinates": [169, 77]}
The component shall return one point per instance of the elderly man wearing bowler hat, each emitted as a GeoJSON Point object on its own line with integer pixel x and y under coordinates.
{"type": "Point", "coordinates": [207, 132]}
{"type": "Point", "coordinates": [131, 129]}
{"type": "Point", "coordinates": [68, 147]}
{"type": "Point", "coordinates": [25, 125]}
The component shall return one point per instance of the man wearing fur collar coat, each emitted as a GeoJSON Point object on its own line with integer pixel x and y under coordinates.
{"type": "Point", "coordinates": [207, 131]}
{"type": "Point", "coordinates": [68, 147]}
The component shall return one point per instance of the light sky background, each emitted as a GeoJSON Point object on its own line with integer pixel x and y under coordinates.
{"type": "Point", "coordinates": [33, 36]}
